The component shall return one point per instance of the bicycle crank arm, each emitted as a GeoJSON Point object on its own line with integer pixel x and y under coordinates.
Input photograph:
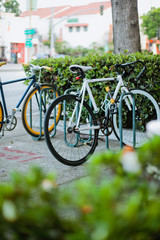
{"type": "Point", "coordinates": [86, 128]}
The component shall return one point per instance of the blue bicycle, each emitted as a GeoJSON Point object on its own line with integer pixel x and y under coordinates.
{"type": "Point", "coordinates": [35, 104]}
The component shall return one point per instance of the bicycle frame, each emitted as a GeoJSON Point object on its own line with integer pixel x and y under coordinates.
{"type": "Point", "coordinates": [20, 101]}
{"type": "Point", "coordinates": [86, 87]}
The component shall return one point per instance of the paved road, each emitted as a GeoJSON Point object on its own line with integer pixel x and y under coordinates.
{"type": "Point", "coordinates": [14, 91]}
{"type": "Point", "coordinates": [18, 151]}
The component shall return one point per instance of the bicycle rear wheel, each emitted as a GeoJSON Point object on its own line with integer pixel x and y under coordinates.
{"type": "Point", "coordinates": [1, 116]}
{"type": "Point", "coordinates": [146, 109]}
{"type": "Point", "coordinates": [31, 109]}
{"type": "Point", "coordinates": [69, 145]}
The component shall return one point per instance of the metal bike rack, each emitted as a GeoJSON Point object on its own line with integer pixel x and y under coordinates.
{"type": "Point", "coordinates": [107, 140]}
{"type": "Point", "coordinates": [40, 114]}
{"type": "Point", "coordinates": [133, 119]}
{"type": "Point", "coordinates": [120, 121]}
{"type": "Point", "coordinates": [90, 104]}
{"type": "Point", "coordinates": [70, 90]}
{"type": "Point", "coordinates": [119, 116]}
{"type": "Point", "coordinates": [77, 136]}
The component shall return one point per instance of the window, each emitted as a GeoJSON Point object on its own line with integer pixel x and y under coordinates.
{"type": "Point", "coordinates": [70, 29]}
{"type": "Point", "coordinates": [85, 28]}
{"type": "Point", "coordinates": [78, 29]}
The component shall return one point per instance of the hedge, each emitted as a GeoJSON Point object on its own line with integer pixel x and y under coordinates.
{"type": "Point", "coordinates": [115, 201]}
{"type": "Point", "coordinates": [103, 66]}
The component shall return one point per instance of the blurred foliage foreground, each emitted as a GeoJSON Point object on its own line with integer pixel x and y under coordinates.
{"type": "Point", "coordinates": [119, 200]}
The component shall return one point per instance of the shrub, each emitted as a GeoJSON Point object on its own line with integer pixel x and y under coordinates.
{"type": "Point", "coordinates": [103, 66]}
{"type": "Point", "coordinates": [113, 202]}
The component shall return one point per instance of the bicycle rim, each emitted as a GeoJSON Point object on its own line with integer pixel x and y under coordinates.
{"type": "Point", "coordinates": [1, 116]}
{"type": "Point", "coordinates": [31, 118]}
{"type": "Point", "coordinates": [146, 109]}
{"type": "Point", "coordinates": [69, 146]}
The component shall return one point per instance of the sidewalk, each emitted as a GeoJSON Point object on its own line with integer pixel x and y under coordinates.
{"type": "Point", "coordinates": [18, 151]}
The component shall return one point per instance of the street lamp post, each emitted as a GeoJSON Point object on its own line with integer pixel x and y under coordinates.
{"type": "Point", "coordinates": [30, 24]}
{"type": "Point", "coordinates": [52, 49]}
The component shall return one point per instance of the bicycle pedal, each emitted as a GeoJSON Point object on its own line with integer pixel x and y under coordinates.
{"type": "Point", "coordinates": [113, 108]}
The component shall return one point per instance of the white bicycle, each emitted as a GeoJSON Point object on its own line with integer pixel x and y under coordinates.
{"type": "Point", "coordinates": [75, 136]}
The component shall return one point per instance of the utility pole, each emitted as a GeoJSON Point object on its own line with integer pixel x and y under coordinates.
{"type": "Point", "coordinates": [52, 48]}
{"type": "Point", "coordinates": [30, 13]}
{"type": "Point", "coordinates": [30, 24]}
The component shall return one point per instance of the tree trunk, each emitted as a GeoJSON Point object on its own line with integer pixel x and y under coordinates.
{"type": "Point", "coordinates": [125, 26]}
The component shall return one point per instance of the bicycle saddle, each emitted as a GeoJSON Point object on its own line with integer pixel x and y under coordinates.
{"type": "Point", "coordinates": [79, 68]}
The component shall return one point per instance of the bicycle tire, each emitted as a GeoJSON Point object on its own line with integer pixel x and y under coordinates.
{"type": "Point", "coordinates": [1, 116]}
{"type": "Point", "coordinates": [66, 145]}
{"type": "Point", "coordinates": [146, 109]}
{"type": "Point", "coordinates": [31, 108]}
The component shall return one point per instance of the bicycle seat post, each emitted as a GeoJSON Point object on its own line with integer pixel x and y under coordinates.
{"type": "Point", "coordinates": [39, 76]}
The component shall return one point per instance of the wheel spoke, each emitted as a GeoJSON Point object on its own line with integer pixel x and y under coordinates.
{"type": "Point", "coordinates": [146, 109]}
{"type": "Point", "coordinates": [69, 145]}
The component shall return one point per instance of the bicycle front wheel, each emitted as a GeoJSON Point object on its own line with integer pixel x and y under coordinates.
{"type": "Point", "coordinates": [1, 116]}
{"type": "Point", "coordinates": [146, 109]}
{"type": "Point", "coordinates": [35, 107]}
{"type": "Point", "coordinates": [69, 144]}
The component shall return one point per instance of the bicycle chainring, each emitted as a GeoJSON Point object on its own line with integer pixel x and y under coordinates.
{"type": "Point", "coordinates": [10, 126]}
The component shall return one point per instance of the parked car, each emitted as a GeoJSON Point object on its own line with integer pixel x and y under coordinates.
{"type": "Point", "coordinates": [59, 55]}
{"type": "Point", "coordinates": [40, 56]}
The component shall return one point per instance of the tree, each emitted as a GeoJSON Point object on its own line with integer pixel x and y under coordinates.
{"type": "Point", "coordinates": [12, 6]}
{"type": "Point", "coordinates": [125, 26]}
{"type": "Point", "coordinates": [1, 3]}
{"type": "Point", "coordinates": [151, 22]}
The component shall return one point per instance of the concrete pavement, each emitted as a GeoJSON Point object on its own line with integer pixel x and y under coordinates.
{"type": "Point", "coordinates": [18, 151]}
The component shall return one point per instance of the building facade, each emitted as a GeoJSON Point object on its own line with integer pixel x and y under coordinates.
{"type": "Point", "coordinates": [12, 41]}
{"type": "Point", "coordinates": [78, 26]}
{"type": "Point", "coordinates": [23, 37]}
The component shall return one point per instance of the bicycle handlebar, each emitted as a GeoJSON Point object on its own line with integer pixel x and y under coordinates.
{"type": "Point", "coordinates": [123, 65]}
{"type": "Point", "coordinates": [130, 63]}
{"type": "Point", "coordinates": [37, 68]}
